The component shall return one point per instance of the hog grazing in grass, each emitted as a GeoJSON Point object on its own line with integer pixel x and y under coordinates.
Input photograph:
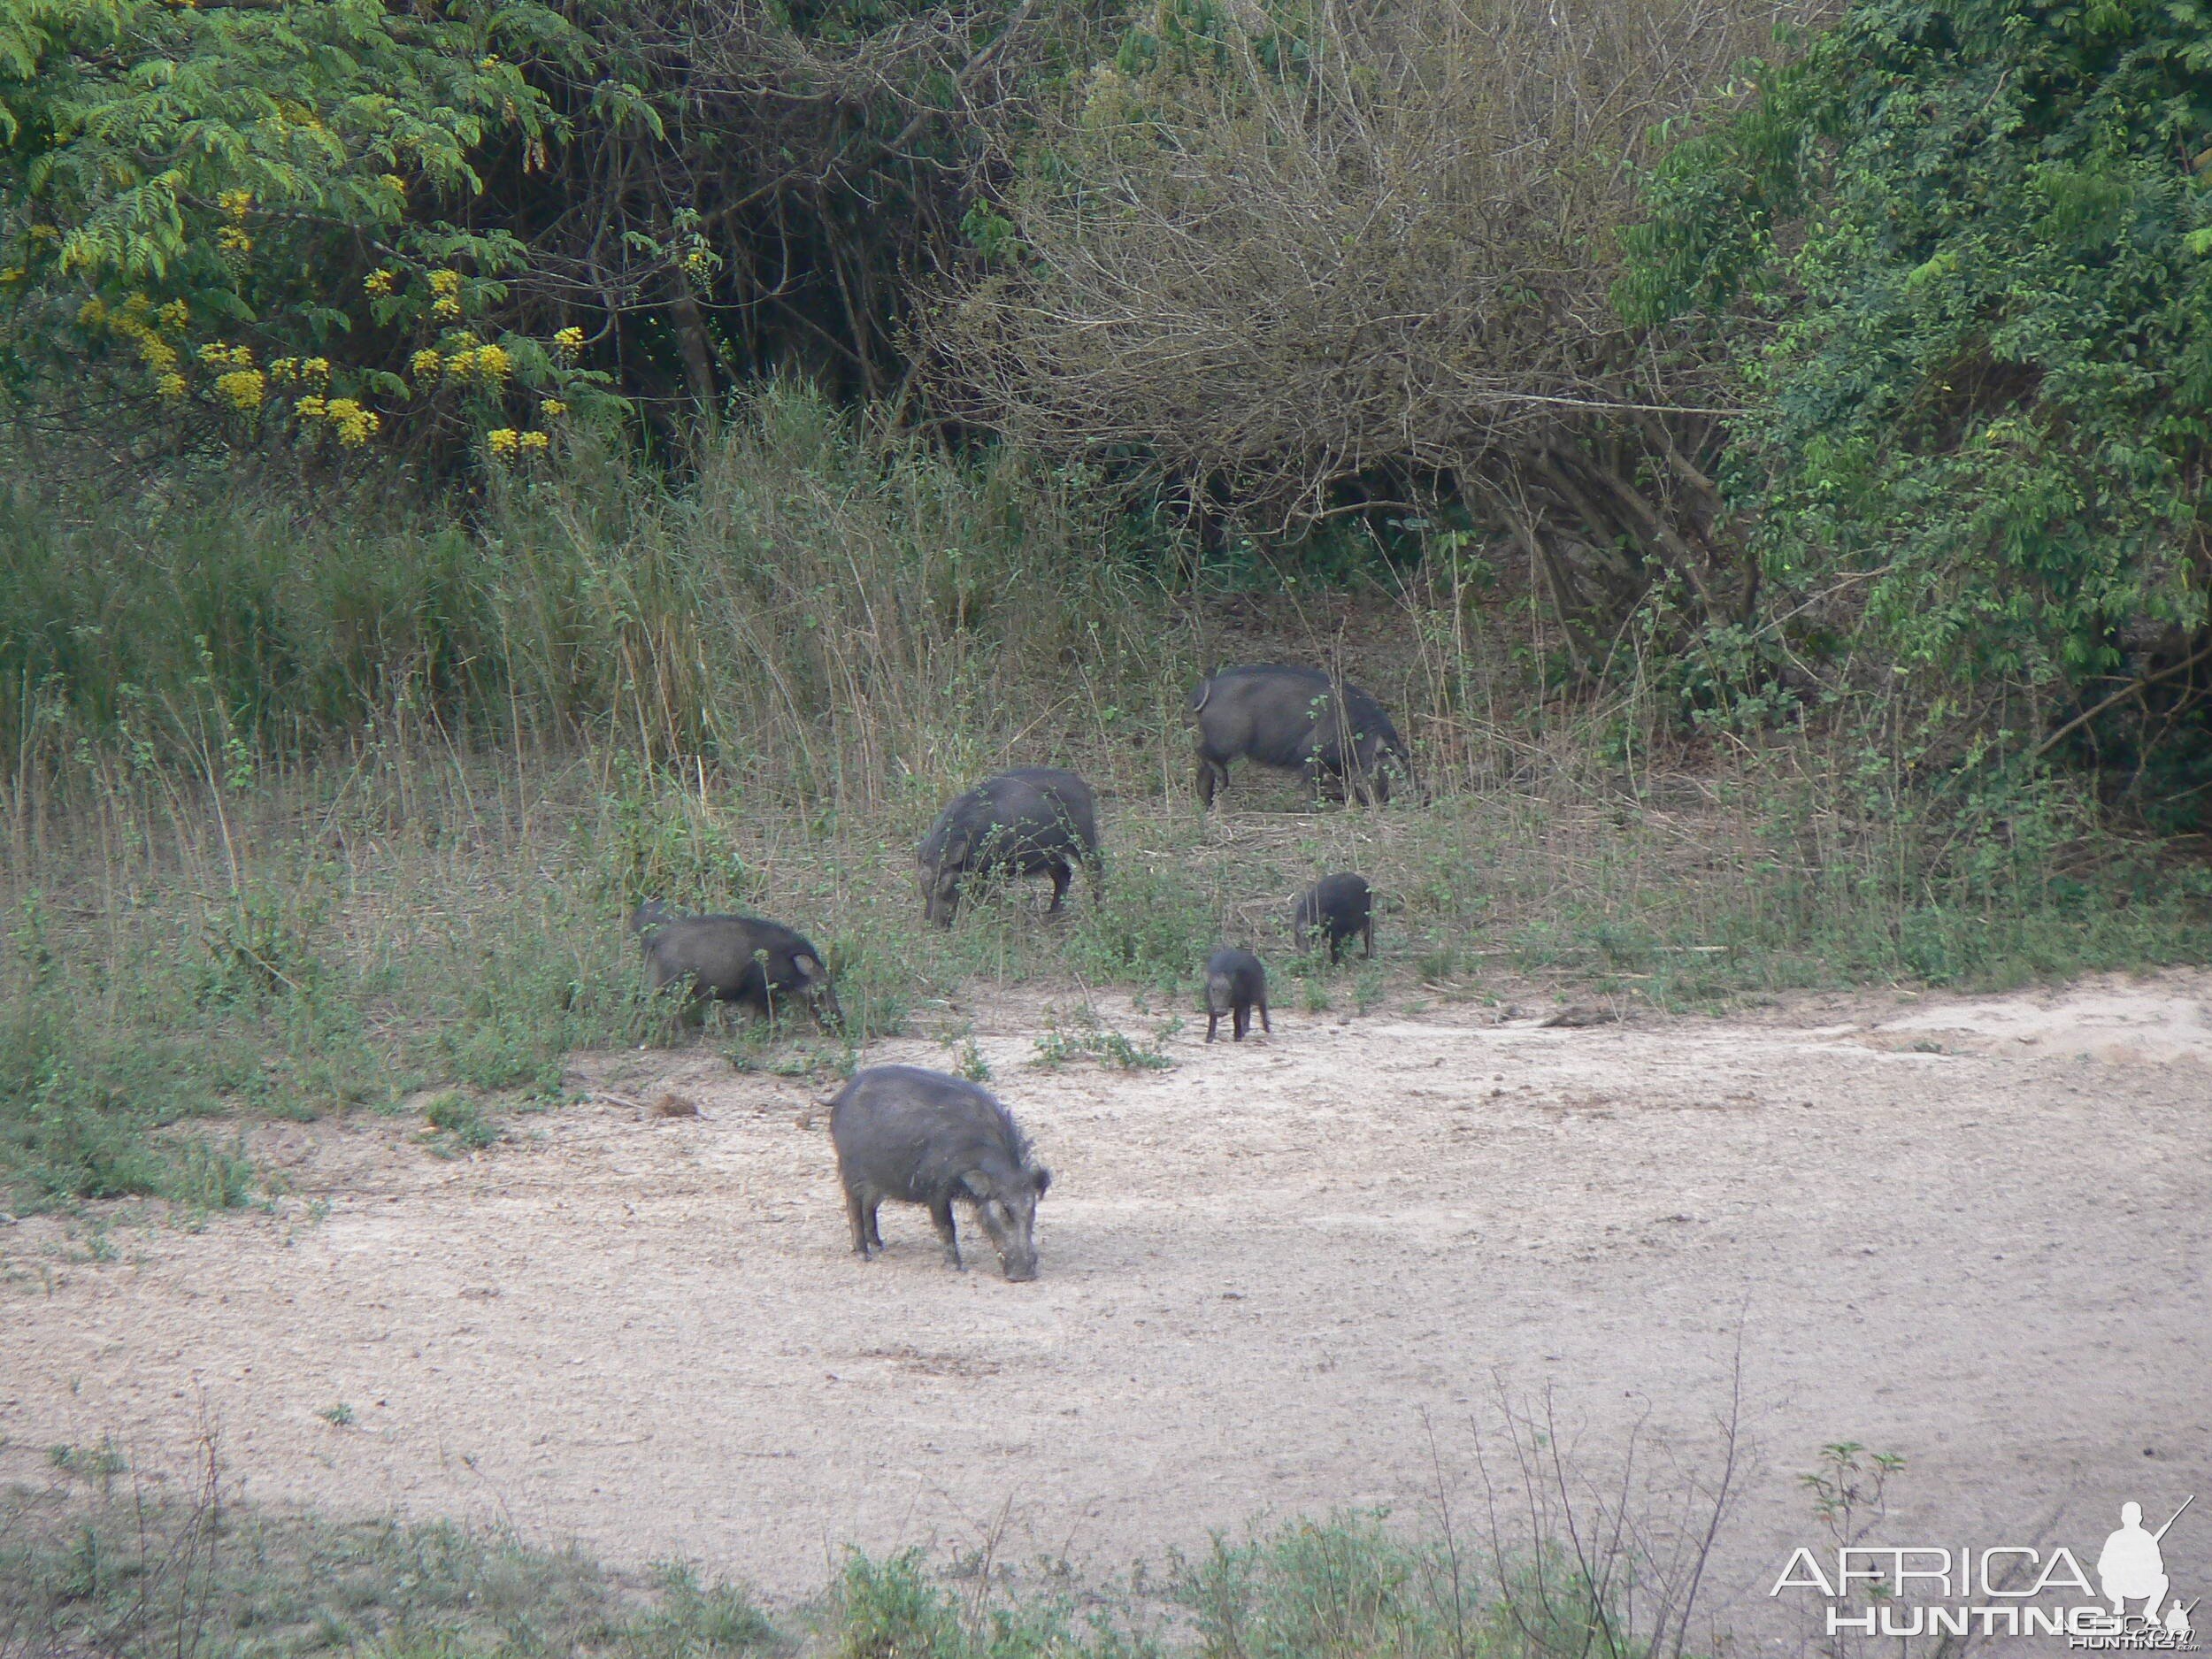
{"type": "Point", "coordinates": [924, 1137]}
{"type": "Point", "coordinates": [734, 959]}
{"type": "Point", "coordinates": [1333, 909]}
{"type": "Point", "coordinates": [1297, 719]}
{"type": "Point", "coordinates": [1235, 985]}
{"type": "Point", "coordinates": [1034, 820]}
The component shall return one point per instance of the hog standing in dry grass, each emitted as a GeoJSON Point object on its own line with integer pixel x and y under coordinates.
{"type": "Point", "coordinates": [734, 959]}
{"type": "Point", "coordinates": [1033, 820]}
{"type": "Point", "coordinates": [1296, 719]}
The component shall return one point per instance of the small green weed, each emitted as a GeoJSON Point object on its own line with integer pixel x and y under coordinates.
{"type": "Point", "coordinates": [457, 1125]}
{"type": "Point", "coordinates": [1090, 1038]}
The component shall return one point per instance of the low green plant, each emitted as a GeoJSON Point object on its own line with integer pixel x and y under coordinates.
{"type": "Point", "coordinates": [972, 1063]}
{"type": "Point", "coordinates": [457, 1125]}
{"type": "Point", "coordinates": [1087, 1037]}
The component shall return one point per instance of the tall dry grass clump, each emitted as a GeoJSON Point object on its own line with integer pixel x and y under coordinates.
{"type": "Point", "coordinates": [816, 613]}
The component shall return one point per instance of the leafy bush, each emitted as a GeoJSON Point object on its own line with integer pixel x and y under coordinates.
{"type": "Point", "coordinates": [1961, 256]}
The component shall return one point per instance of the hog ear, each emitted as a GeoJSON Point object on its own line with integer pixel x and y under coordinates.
{"type": "Point", "coordinates": [978, 1183]}
{"type": "Point", "coordinates": [1043, 1177]}
{"type": "Point", "coordinates": [808, 965]}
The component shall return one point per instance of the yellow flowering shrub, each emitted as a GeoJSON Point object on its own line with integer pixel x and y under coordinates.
{"type": "Point", "coordinates": [243, 388]}
{"type": "Point", "coordinates": [356, 425]}
{"type": "Point", "coordinates": [483, 375]}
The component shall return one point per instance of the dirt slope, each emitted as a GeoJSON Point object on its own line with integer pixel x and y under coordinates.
{"type": "Point", "coordinates": [1261, 1270]}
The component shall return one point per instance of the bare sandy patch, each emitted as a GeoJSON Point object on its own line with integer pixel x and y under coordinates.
{"type": "Point", "coordinates": [1267, 1272]}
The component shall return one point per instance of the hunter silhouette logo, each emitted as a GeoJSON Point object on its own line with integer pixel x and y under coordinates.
{"type": "Point", "coordinates": [2131, 1563]}
{"type": "Point", "coordinates": [2007, 1590]}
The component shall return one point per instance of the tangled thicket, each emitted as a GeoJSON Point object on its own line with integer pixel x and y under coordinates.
{"type": "Point", "coordinates": [1811, 359]}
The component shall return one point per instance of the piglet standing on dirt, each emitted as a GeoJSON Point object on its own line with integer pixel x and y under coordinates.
{"type": "Point", "coordinates": [1235, 984]}
{"type": "Point", "coordinates": [734, 959]}
{"type": "Point", "coordinates": [924, 1137]}
{"type": "Point", "coordinates": [1333, 909]}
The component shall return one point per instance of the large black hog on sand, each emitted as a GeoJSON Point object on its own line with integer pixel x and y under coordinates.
{"type": "Point", "coordinates": [1296, 719]}
{"type": "Point", "coordinates": [924, 1137]}
{"type": "Point", "coordinates": [734, 959]}
{"type": "Point", "coordinates": [1034, 820]}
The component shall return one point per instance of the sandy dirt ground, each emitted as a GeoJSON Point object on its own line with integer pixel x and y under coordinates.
{"type": "Point", "coordinates": [1303, 1273]}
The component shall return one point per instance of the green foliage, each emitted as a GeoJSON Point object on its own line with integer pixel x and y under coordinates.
{"type": "Point", "coordinates": [81, 1105]}
{"type": "Point", "coordinates": [122, 1574]}
{"type": "Point", "coordinates": [1086, 1036]}
{"type": "Point", "coordinates": [1964, 257]}
{"type": "Point", "coordinates": [1155, 922]}
{"type": "Point", "coordinates": [234, 211]}
{"type": "Point", "coordinates": [662, 842]}
{"type": "Point", "coordinates": [457, 1125]}
{"type": "Point", "coordinates": [895, 1610]}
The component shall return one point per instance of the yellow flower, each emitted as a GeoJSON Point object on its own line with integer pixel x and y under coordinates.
{"type": "Point", "coordinates": [425, 364]}
{"type": "Point", "coordinates": [235, 203]}
{"type": "Point", "coordinates": [569, 342]}
{"type": "Point", "coordinates": [283, 369]}
{"type": "Point", "coordinates": [170, 384]}
{"type": "Point", "coordinates": [445, 283]}
{"type": "Point", "coordinates": [230, 239]}
{"type": "Point", "coordinates": [356, 425]}
{"type": "Point", "coordinates": [45, 233]}
{"type": "Point", "coordinates": [535, 442]}
{"type": "Point", "coordinates": [460, 364]}
{"type": "Point", "coordinates": [311, 407]}
{"type": "Point", "coordinates": [393, 182]}
{"type": "Point", "coordinates": [491, 62]}
{"type": "Point", "coordinates": [493, 364]}
{"type": "Point", "coordinates": [315, 369]}
{"type": "Point", "coordinates": [215, 354]}
{"type": "Point", "coordinates": [13, 274]}
{"type": "Point", "coordinates": [173, 316]}
{"type": "Point", "coordinates": [244, 387]}
{"type": "Point", "coordinates": [92, 313]}
{"type": "Point", "coordinates": [552, 409]}
{"type": "Point", "coordinates": [157, 353]}
{"type": "Point", "coordinates": [447, 310]}
{"type": "Point", "coordinates": [379, 282]}
{"type": "Point", "coordinates": [504, 439]}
